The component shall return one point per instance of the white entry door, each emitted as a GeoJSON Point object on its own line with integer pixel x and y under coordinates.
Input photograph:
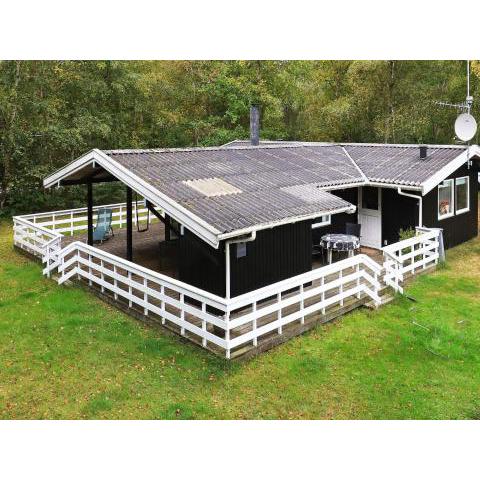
{"type": "Point", "coordinates": [370, 216]}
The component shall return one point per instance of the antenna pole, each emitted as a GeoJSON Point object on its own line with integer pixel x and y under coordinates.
{"type": "Point", "coordinates": [468, 78]}
{"type": "Point", "coordinates": [469, 98]}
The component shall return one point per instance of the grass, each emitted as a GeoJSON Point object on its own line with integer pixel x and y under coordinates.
{"type": "Point", "coordinates": [65, 354]}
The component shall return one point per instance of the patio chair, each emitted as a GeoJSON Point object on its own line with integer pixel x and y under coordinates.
{"type": "Point", "coordinates": [353, 229]}
{"type": "Point", "coordinates": [103, 229]}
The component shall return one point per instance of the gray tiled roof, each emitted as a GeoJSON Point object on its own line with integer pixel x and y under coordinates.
{"type": "Point", "coordinates": [262, 174]}
{"type": "Point", "coordinates": [386, 163]}
{"type": "Point", "coordinates": [400, 164]}
{"type": "Point", "coordinates": [278, 180]}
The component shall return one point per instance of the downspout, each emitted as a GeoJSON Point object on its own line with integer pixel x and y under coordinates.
{"type": "Point", "coordinates": [420, 204]}
{"type": "Point", "coordinates": [250, 238]}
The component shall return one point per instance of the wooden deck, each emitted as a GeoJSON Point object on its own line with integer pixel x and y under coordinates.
{"type": "Point", "coordinates": [149, 248]}
{"type": "Point", "coordinates": [151, 251]}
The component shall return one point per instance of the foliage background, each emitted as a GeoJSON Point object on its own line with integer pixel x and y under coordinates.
{"type": "Point", "coordinates": [53, 111]}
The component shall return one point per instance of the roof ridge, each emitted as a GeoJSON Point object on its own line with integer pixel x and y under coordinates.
{"type": "Point", "coordinates": [359, 144]}
{"type": "Point", "coordinates": [198, 149]}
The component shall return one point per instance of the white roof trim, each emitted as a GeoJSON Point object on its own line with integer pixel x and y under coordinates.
{"type": "Point", "coordinates": [255, 228]}
{"type": "Point", "coordinates": [448, 169]}
{"type": "Point", "coordinates": [365, 178]}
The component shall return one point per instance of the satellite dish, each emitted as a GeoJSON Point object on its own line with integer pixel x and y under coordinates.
{"type": "Point", "coordinates": [465, 127]}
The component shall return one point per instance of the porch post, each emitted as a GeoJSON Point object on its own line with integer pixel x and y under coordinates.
{"type": "Point", "coordinates": [227, 269]}
{"type": "Point", "coordinates": [167, 228]}
{"type": "Point", "coordinates": [129, 224]}
{"type": "Point", "coordinates": [90, 212]}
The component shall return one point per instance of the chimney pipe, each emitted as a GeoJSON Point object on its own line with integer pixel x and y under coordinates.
{"type": "Point", "coordinates": [254, 125]}
{"type": "Point", "coordinates": [423, 152]}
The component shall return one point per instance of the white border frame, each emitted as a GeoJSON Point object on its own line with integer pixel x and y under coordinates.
{"type": "Point", "coordinates": [467, 208]}
{"type": "Point", "coordinates": [452, 196]}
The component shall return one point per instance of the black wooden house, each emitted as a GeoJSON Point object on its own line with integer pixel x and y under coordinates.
{"type": "Point", "coordinates": [247, 215]}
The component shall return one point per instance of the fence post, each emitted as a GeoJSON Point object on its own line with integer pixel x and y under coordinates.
{"type": "Point", "coordinates": [227, 333]}
{"type": "Point", "coordinates": [130, 291]}
{"type": "Point", "coordinates": [115, 294]}
{"type": "Point", "coordinates": [357, 268]}
{"type": "Point", "coordinates": [423, 255]}
{"type": "Point", "coordinates": [47, 259]}
{"type": "Point", "coordinates": [102, 276]}
{"type": "Point", "coordinates": [413, 259]}
{"type": "Point", "coordinates": [145, 296]}
{"type": "Point", "coordinates": [204, 325]}
{"type": "Point", "coordinates": [162, 302]}
{"type": "Point", "coordinates": [89, 270]}
{"type": "Point", "coordinates": [302, 303]}
{"type": "Point", "coordinates": [182, 314]}
{"type": "Point", "coordinates": [322, 283]}
{"type": "Point", "coordinates": [279, 312]}
{"type": "Point", "coordinates": [340, 277]}
{"type": "Point", "coordinates": [254, 325]}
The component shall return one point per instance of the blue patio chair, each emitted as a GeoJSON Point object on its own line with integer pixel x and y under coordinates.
{"type": "Point", "coordinates": [103, 229]}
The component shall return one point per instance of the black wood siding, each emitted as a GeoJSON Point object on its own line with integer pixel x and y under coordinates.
{"type": "Point", "coordinates": [201, 265]}
{"type": "Point", "coordinates": [458, 228]}
{"type": "Point", "coordinates": [276, 254]}
{"type": "Point", "coordinates": [398, 212]}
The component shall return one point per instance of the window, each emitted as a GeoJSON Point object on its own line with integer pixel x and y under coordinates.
{"type": "Point", "coordinates": [322, 221]}
{"type": "Point", "coordinates": [445, 199]}
{"type": "Point", "coordinates": [462, 195]}
{"type": "Point", "coordinates": [370, 198]}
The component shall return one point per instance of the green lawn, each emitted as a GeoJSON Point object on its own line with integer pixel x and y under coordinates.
{"type": "Point", "coordinates": [65, 354]}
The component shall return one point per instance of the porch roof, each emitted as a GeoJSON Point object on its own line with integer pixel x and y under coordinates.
{"type": "Point", "coordinates": [221, 193]}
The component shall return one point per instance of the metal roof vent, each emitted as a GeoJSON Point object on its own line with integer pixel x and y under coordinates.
{"type": "Point", "coordinates": [423, 152]}
{"type": "Point", "coordinates": [212, 187]}
{"type": "Point", "coordinates": [254, 125]}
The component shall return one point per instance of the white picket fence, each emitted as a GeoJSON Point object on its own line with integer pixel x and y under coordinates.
{"type": "Point", "coordinates": [40, 234]}
{"type": "Point", "coordinates": [239, 320]}
{"type": "Point", "coordinates": [227, 324]}
{"type": "Point", "coordinates": [74, 220]}
{"type": "Point", "coordinates": [37, 240]}
{"type": "Point", "coordinates": [409, 256]}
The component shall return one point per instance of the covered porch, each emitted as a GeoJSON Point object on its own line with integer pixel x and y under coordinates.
{"type": "Point", "coordinates": [151, 250]}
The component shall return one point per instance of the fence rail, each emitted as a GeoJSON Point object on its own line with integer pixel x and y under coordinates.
{"type": "Point", "coordinates": [410, 255]}
{"type": "Point", "coordinates": [74, 220]}
{"type": "Point", "coordinates": [41, 234]}
{"type": "Point", "coordinates": [227, 324]}
{"type": "Point", "coordinates": [191, 309]}
{"type": "Point", "coordinates": [38, 241]}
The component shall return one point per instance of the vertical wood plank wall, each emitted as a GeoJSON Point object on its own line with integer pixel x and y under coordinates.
{"type": "Point", "coordinates": [398, 212]}
{"type": "Point", "coordinates": [458, 228]}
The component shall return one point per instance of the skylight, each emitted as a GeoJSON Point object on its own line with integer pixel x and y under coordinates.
{"type": "Point", "coordinates": [212, 187]}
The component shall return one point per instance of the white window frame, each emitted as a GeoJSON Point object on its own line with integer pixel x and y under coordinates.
{"type": "Point", "coordinates": [452, 199]}
{"type": "Point", "coordinates": [326, 220]}
{"type": "Point", "coordinates": [467, 208]}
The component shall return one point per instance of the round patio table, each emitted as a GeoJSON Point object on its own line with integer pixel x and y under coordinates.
{"type": "Point", "coordinates": [339, 242]}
